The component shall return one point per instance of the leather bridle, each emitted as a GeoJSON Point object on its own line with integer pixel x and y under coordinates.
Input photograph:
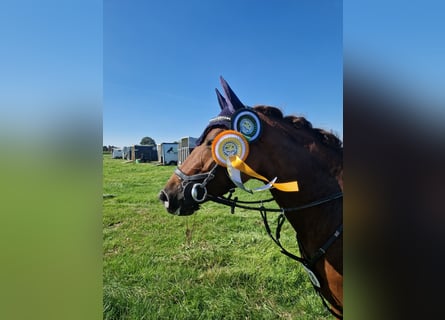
{"type": "Point", "coordinates": [194, 186]}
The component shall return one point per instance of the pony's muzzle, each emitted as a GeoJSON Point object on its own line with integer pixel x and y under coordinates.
{"type": "Point", "coordinates": [163, 196]}
{"type": "Point", "coordinates": [181, 204]}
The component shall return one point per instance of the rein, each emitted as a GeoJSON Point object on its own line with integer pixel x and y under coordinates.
{"type": "Point", "coordinates": [308, 264]}
{"type": "Point", "coordinates": [244, 204]}
{"type": "Point", "coordinates": [198, 192]}
{"type": "Point", "coordinates": [235, 203]}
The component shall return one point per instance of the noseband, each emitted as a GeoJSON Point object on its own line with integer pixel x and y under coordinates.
{"type": "Point", "coordinates": [191, 185]}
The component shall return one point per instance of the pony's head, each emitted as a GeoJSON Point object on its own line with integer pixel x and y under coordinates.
{"type": "Point", "coordinates": [275, 146]}
{"type": "Point", "coordinates": [200, 175]}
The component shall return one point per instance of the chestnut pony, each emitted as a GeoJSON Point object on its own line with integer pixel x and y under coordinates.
{"type": "Point", "coordinates": [292, 150]}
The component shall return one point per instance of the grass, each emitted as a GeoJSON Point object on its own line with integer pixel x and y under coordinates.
{"type": "Point", "coordinates": [211, 265]}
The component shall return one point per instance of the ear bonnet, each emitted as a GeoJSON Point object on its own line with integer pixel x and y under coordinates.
{"type": "Point", "coordinates": [234, 115]}
{"type": "Point", "coordinates": [231, 147]}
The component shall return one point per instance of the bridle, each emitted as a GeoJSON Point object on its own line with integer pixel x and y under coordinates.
{"type": "Point", "coordinates": [194, 188]}
{"type": "Point", "coordinates": [192, 185]}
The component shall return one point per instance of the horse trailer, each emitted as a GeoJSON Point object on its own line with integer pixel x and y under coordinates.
{"type": "Point", "coordinates": [126, 153]}
{"type": "Point", "coordinates": [116, 153]}
{"type": "Point", "coordinates": [186, 146]}
{"type": "Point", "coordinates": [144, 153]}
{"type": "Point", "coordinates": [168, 153]}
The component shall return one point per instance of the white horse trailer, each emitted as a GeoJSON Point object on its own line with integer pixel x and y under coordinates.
{"type": "Point", "coordinates": [168, 153]}
{"type": "Point", "coordinates": [116, 153]}
{"type": "Point", "coordinates": [186, 145]}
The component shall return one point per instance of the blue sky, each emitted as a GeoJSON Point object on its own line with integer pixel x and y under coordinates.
{"type": "Point", "coordinates": [162, 61]}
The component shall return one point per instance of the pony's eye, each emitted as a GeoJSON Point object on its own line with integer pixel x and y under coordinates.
{"type": "Point", "coordinates": [209, 142]}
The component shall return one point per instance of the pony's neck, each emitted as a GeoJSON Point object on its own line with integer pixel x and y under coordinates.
{"type": "Point", "coordinates": [319, 175]}
{"type": "Point", "coordinates": [291, 151]}
{"type": "Point", "coordinates": [316, 174]}
{"type": "Point", "coordinates": [299, 154]}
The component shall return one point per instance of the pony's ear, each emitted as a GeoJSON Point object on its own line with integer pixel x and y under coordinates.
{"type": "Point", "coordinates": [233, 102]}
{"type": "Point", "coordinates": [222, 102]}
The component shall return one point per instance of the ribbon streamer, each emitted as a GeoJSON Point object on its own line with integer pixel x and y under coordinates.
{"type": "Point", "coordinates": [235, 176]}
{"type": "Point", "coordinates": [236, 165]}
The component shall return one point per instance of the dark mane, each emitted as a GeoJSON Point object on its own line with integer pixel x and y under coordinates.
{"type": "Point", "coordinates": [327, 138]}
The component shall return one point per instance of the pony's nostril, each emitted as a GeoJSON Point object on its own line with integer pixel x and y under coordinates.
{"type": "Point", "coordinates": [164, 198]}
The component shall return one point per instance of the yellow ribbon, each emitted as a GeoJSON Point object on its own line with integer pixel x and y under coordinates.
{"type": "Point", "coordinates": [240, 165]}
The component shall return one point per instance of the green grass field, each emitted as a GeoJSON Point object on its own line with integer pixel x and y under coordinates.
{"type": "Point", "coordinates": [211, 265]}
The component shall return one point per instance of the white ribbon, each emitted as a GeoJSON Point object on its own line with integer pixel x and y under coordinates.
{"type": "Point", "coordinates": [235, 176]}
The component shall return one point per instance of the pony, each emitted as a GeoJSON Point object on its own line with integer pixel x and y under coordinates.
{"type": "Point", "coordinates": [285, 147]}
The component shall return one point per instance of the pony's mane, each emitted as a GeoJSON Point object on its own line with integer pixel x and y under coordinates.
{"type": "Point", "coordinates": [329, 139]}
